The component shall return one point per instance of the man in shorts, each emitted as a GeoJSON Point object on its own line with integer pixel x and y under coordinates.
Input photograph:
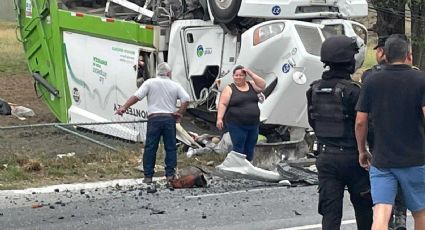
{"type": "Point", "coordinates": [395, 98]}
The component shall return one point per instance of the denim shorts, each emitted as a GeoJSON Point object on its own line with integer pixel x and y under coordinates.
{"type": "Point", "coordinates": [412, 182]}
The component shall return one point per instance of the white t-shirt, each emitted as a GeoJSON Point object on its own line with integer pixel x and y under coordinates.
{"type": "Point", "coordinates": [162, 94]}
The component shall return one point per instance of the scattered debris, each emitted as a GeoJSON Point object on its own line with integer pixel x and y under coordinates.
{"type": "Point", "coordinates": [155, 211]}
{"type": "Point", "coordinates": [71, 154]}
{"type": "Point", "coordinates": [36, 206]}
{"type": "Point", "coordinates": [285, 182]}
{"type": "Point", "coordinates": [297, 174]}
{"type": "Point", "coordinates": [21, 112]}
{"type": "Point", "coordinates": [296, 212]}
{"type": "Point", "coordinates": [235, 165]}
{"type": "Point", "coordinates": [151, 189]}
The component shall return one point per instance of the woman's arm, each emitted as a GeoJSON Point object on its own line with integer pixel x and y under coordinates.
{"type": "Point", "coordinates": [257, 82]}
{"type": "Point", "coordinates": [222, 106]}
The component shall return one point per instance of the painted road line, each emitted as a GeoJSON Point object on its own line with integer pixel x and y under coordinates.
{"type": "Point", "coordinates": [314, 226]}
{"type": "Point", "coordinates": [79, 186]}
{"type": "Point", "coordinates": [234, 192]}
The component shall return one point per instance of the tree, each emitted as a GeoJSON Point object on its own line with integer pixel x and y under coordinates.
{"type": "Point", "coordinates": [417, 9]}
{"type": "Point", "coordinates": [390, 16]}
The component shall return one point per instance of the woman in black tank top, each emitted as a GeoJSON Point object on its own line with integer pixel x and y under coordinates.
{"type": "Point", "coordinates": [238, 108]}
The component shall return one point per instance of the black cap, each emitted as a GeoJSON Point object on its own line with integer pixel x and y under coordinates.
{"type": "Point", "coordinates": [381, 41]}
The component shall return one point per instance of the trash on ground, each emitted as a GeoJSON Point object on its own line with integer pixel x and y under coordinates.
{"type": "Point", "coordinates": [297, 174]}
{"type": "Point", "coordinates": [237, 166]}
{"type": "Point", "coordinates": [71, 154]}
{"type": "Point", "coordinates": [21, 112]}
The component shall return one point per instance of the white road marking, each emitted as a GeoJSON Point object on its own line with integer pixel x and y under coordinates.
{"type": "Point", "coordinates": [78, 186]}
{"type": "Point", "coordinates": [313, 226]}
{"type": "Point", "coordinates": [234, 192]}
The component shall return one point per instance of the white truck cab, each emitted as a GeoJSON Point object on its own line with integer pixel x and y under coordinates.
{"type": "Point", "coordinates": [224, 11]}
{"type": "Point", "coordinates": [270, 39]}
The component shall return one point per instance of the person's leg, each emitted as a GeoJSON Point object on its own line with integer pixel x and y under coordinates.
{"type": "Point", "coordinates": [384, 189]}
{"type": "Point", "coordinates": [331, 193]}
{"type": "Point", "coordinates": [357, 180]}
{"type": "Point", "coordinates": [381, 216]}
{"type": "Point", "coordinates": [400, 211]}
{"type": "Point", "coordinates": [412, 183]}
{"type": "Point", "coordinates": [168, 132]}
{"type": "Point", "coordinates": [251, 141]}
{"type": "Point", "coordinates": [153, 134]}
{"type": "Point", "coordinates": [419, 218]}
{"type": "Point", "coordinates": [238, 136]}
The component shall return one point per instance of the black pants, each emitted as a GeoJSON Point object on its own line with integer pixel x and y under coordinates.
{"type": "Point", "coordinates": [337, 170]}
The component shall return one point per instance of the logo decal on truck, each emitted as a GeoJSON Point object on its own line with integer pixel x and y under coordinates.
{"type": "Point", "coordinates": [76, 95]}
{"type": "Point", "coordinates": [286, 67]}
{"type": "Point", "coordinates": [276, 10]}
{"type": "Point", "coordinates": [200, 50]}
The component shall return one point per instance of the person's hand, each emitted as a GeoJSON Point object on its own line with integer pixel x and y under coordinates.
{"type": "Point", "coordinates": [219, 124]}
{"type": "Point", "coordinates": [120, 111]}
{"type": "Point", "coordinates": [364, 159]}
{"type": "Point", "coordinates": [178, 116]}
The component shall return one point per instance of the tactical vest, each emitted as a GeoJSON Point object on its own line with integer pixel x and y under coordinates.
{"type": "Point", "coordinates": [330, 111]}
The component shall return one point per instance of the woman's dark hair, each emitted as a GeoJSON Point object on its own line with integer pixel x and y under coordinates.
{"type": "Point", "coordinates": [238, 68]}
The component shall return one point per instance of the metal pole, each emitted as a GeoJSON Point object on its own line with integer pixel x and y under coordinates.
{"type": "Point", "coordinates": [85, 137]}
{"type": "Point", "coordinates": [68, 124]}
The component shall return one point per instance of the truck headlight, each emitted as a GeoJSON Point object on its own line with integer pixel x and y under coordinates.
{"type": "Point", "coordinates": [265, 32]}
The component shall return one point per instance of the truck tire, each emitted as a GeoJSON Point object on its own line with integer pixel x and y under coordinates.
{"type": "Point", "coordinates": [224, 11]}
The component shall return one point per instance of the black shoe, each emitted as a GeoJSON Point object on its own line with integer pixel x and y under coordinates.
{"type": "Point", "coordinates": [147, 180]}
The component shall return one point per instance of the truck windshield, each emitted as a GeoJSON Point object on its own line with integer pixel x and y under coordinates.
{"type": "Point", "coordinates": [311, 39]}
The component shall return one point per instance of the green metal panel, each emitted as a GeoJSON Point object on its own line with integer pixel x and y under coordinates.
{"type": "Point", "coordinates": [42, 38]}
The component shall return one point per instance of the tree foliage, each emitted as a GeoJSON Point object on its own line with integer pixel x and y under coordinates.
{"type": "Point", "coordinates": [391, 20]}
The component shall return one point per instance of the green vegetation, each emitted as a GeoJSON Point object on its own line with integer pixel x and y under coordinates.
{"type": "Point", "coordinates": [23, 171]}
{"type": "Point", "coordinates": [12, 59]}
{"type": "Point", "coordinates": [370, 57]}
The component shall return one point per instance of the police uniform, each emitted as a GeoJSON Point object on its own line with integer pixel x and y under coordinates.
{"type": "Point", "coordinates": [331, 113]}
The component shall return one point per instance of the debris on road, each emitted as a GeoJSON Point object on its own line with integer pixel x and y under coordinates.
{"type": "Point", "coordinates": [236, 166]}
{"type": "Point", "coordinates": [297, 174]}
{"type": "Point", "coordinates": [36, 206]}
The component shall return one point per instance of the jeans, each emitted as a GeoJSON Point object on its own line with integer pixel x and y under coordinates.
{"type": "Point", "coordinates": [165, 127]}
{"type": "Point", "coordinates": [244, 139]}
{"type": "Point", "coordinates": [337, 170]}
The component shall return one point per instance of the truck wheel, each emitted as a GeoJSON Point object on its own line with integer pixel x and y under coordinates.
{"type": "Point", "coordinates": [224, 11]}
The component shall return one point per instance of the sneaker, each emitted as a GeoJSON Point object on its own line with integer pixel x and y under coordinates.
{"type": "Point", "coordinates": [190, 152]}
{"type": "Point", "coordinates": [147, 180]}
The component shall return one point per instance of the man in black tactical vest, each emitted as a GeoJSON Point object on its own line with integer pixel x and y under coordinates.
{"type": "Point", "coordinates": [331, 114]}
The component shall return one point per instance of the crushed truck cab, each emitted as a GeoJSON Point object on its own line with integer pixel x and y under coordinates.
{"type": "Point", "coordinates": [85, 64]}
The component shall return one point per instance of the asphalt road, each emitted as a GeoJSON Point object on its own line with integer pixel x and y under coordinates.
{"type": "Point", "coordinates": [224, 205]}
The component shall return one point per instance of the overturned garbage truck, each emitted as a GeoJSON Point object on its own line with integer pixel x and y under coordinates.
{"type": "Point", "coordinates": [84, 55]}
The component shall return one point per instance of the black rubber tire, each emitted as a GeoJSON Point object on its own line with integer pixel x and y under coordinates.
{"type": "Point", "coordinates": [226, 15]}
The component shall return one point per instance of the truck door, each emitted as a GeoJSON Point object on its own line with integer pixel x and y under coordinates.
{"type": "Point", "coordinates": [203, 51]}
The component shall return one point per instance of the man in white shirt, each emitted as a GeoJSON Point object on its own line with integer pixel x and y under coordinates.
{"type": "Point", "coordinates": [162, 94]}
